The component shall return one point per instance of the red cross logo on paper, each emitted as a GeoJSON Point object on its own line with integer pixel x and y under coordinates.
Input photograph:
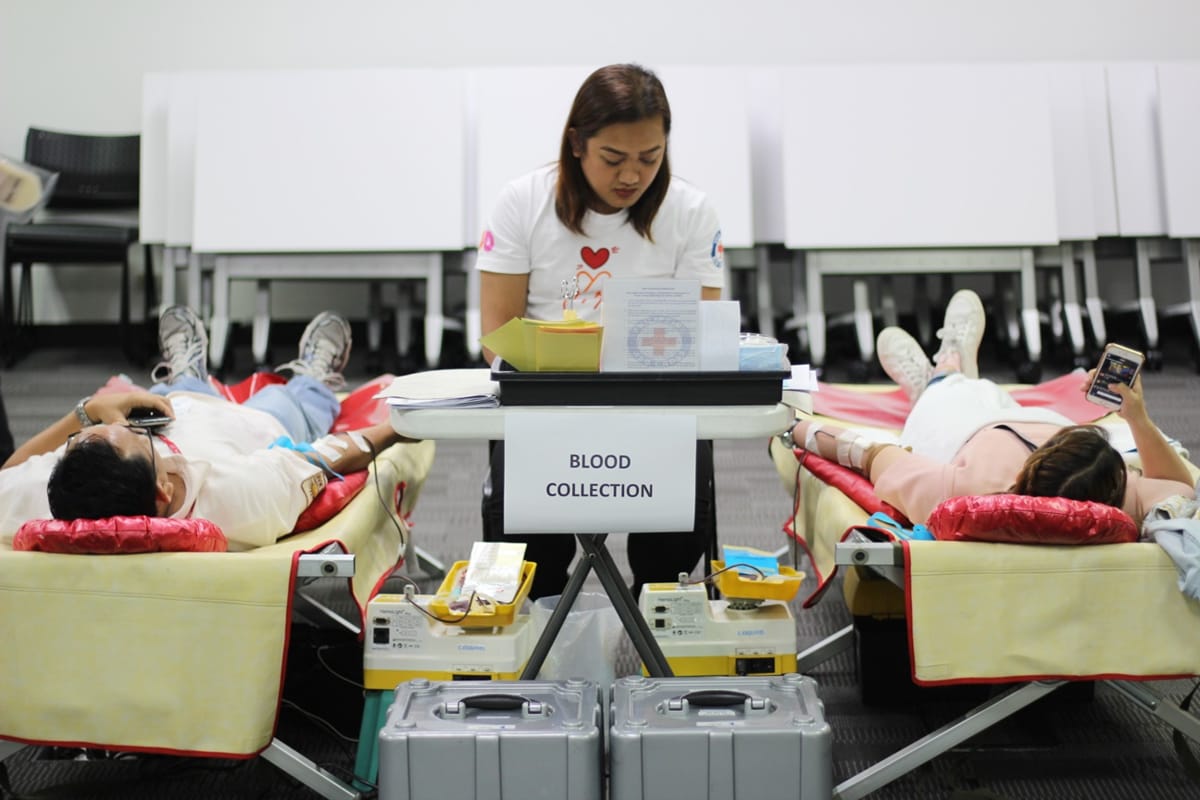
{"type": "Point", "coordinates": [659, 342]}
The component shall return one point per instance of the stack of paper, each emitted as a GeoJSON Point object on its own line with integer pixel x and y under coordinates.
{"type": "Point", "coordinates": [444, 388]}
{"type": "Point", "coordinates": [803, 379]}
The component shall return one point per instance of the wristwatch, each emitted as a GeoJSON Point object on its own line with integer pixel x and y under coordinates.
{"type": "Point", "coordinates": [81, 412]}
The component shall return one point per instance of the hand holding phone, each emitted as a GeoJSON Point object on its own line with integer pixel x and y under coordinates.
{"type": "Point", "coordinates": [1118, 364]}
{"type": "Point", "coordinates": [147, 418]}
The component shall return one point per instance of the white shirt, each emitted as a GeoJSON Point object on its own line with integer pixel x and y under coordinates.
{"type": "Point", "coordinates": [525, 236]}
{"type": "Point", "coordinates": [253, 494]}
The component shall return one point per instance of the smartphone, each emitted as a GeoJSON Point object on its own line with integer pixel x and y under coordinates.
{"type": "Point", "coordinates": [147, 418]}
{"type": "Point", "coordinates": [1118, 364]}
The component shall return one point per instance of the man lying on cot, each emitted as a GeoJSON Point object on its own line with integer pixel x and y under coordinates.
{"type": "Point", "coordinates": [967, 436]}
{"type": "Point", "coordinates": [245, 467]}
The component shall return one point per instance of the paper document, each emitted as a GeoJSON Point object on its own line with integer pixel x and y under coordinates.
{"type": "Point", "coordinates": [804, 379]}
{"type": "Point", "coordinates": [720, 326]}
{"type": "Point", "coordinates": [444, 388]}
{"type": "Point", "coordinates": [650, 325]}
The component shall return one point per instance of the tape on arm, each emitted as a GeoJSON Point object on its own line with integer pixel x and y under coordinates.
{"type": "Point", "coordinates": [850, 449]}
{"type": "Point", "coordinates": [332, 446]}
{"type": "Point", "coordinates": [328, 448]}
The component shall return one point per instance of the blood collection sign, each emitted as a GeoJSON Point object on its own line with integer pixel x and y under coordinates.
{"type": "Point", "coordinates": [599, 473]}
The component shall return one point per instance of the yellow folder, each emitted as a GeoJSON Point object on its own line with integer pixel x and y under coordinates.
{"type": "Point", "coordinates": [534, 345]}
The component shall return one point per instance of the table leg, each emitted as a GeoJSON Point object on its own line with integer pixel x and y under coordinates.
{"type": "Point", "coordinates": [596, 557]}
{"type": "Point", "coordinates": [557, 618]}
{"type": "Point", "coordinates": [626, 606]}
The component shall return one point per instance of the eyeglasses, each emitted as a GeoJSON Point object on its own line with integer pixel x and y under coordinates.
{"type": "Point", "coordinates": [147, 432]}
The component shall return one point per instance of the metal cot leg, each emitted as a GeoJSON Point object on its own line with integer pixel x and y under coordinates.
{"type": "Point", "coordinates": [950, 735]}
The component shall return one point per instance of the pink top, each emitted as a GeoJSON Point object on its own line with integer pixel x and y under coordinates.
{"type": "Point", "coordinates": [988, 464]}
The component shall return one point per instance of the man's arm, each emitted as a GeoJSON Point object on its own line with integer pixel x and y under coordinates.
{"type": "Point", "coordinates": [343, 453]}
{"type": "Point", "coordinates": [102, 409]}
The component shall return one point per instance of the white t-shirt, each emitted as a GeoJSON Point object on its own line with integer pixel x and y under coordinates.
{"type": "Point", "coordinates": [253, 494]}
{"type": "Point", "coordinates": [524, 235]}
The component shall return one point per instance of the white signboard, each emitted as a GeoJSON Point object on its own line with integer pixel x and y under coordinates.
{"type": "Point", "coordinates": [599, 473]}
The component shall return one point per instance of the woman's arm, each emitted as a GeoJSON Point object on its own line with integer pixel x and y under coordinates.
{"type": "Point", "coordinates": [1159, 458]}
{"type": "Point", "coordinates": [502, 297]}
{"type": "Point", "coordinates": [844, 447]}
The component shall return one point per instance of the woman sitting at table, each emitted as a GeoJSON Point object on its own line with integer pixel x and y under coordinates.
{"type": "Point", "coordinates": [608, 207]}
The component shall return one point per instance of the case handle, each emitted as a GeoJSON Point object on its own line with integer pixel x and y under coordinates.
{"type": "Point", "coordinates": [494, 702]}
{"type": "Point", "coordinates": [714, 698]}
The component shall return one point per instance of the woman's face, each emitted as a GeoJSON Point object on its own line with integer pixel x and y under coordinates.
{"type": "Point", "coordinates": [621, 161]}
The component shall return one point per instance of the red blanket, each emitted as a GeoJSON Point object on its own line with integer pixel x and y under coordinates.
{"type": "Point", "coordinates": [890, 409]}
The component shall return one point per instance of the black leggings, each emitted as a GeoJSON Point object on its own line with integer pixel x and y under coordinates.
{"type": "Point", "coordinates": [653, 557]}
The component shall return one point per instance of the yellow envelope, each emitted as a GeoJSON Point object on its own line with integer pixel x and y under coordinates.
{"type": "Point", "coordinates": [533, 345]}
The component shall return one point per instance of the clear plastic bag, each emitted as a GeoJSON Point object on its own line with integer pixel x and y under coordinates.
{"type": "Point", "coordinates": [586, 645]}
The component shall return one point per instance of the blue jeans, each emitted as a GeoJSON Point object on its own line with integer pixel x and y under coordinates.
{"type": "Point", "coordinates": [304, 406]}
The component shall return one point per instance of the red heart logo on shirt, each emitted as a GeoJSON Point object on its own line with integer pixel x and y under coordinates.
{"type": "Point", "coordinates": [594, 258]}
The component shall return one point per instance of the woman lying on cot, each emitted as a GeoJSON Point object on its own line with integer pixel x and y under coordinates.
{"type": "Point", "coordinates": [234, 464]}
{"type": "Point", "coordinates": [967, 436]}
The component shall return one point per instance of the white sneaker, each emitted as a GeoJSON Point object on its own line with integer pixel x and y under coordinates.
{"type": "Point", "coordinates": [962, 331]}
{"type": "Point", "coordinates": [183, 343]}
{"type": "Point", "coordinates": [904, 361]}
{"type": "Point", "coordinates": [324, 350]}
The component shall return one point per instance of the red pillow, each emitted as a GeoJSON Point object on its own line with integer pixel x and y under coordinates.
{"type": "Point", "coordinates": [848, 482]}
{"type": "Point", "coordinates": [1021, 519]}
{"type": "Point", "coordinates": [119, 535]}
{"type": "Point", "coordinates": [332, 499]}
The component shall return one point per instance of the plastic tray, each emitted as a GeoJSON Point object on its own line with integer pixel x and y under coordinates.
{"type": "Point", "coordinates": [639, 388]}
{"type": "Point", "coordinates": [774, 587]}
{"type": "Point", "coordinates": [479, 615]}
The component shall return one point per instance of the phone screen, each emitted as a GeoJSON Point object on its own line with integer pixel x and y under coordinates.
{"type": "Point", "coordinates": [1114, 368]}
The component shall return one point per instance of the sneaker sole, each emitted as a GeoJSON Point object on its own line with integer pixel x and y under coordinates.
{"type": "Point", "coordinates": [969, 354]}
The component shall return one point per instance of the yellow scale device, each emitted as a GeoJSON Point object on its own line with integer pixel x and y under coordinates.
{"type": "Point", "coordinates": [750, 631]}
{"type": "Point", "coordinates": [426, 636]}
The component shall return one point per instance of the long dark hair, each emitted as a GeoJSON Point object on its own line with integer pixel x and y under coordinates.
{"type": "Point", "coordinates": [93, 480]}
{"type": "Point", "coordinates": [1077, 463]}
{"type": "Point", "coordinates": [613, 94]}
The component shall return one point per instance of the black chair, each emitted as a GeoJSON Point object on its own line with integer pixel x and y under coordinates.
{"type": "Point", "coordinates": [97, 175]}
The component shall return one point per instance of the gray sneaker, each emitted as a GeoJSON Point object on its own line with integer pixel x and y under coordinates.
{"type": "Point", "coordinates": [324, 350]}
{"type": "Point", "coordinates": [904, 361]}
{"type": "Point", "coordinates": [962, 330]}
{"type": "Point", "coordinates": [183, 343]}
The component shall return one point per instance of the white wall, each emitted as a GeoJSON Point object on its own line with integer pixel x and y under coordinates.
{"type": "Point", "coordinates": [78, 64]}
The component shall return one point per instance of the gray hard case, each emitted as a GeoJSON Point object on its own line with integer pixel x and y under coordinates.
{"type": "Point", "coordinates": [494, 740]}
{"type": "Point", "coordinates": [719, 738]}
